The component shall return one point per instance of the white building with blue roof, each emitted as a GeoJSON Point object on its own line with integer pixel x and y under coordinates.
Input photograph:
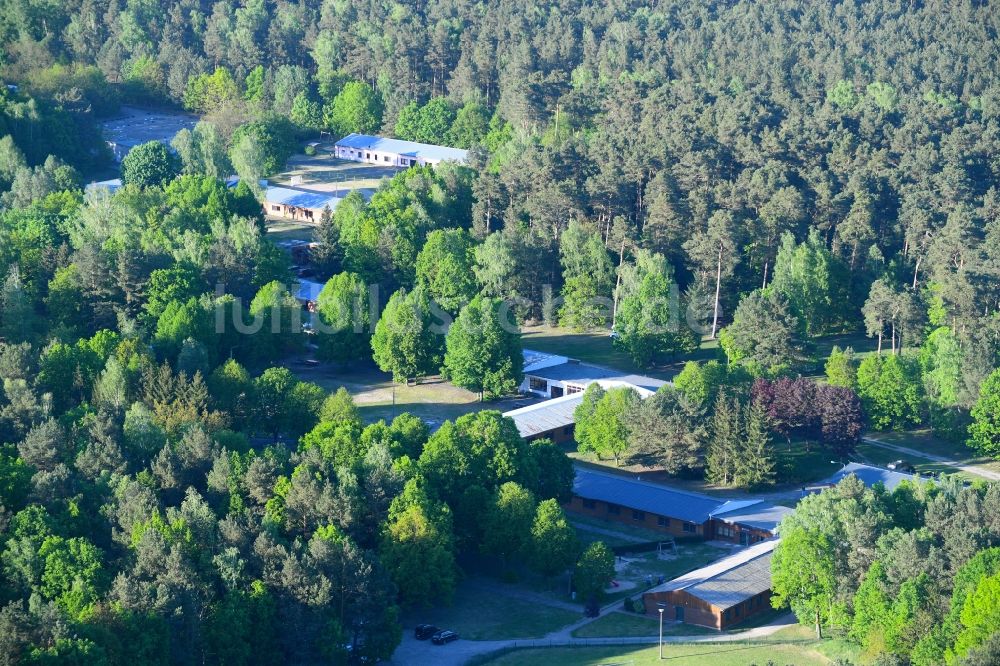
{"type": "Point", "coordinates": [395, 152]}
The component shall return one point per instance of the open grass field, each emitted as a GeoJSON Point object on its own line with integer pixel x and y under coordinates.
{"type": "Point", "coordinates": [286, 230]}
{"type": "Point", "coordinates": [480, 615]}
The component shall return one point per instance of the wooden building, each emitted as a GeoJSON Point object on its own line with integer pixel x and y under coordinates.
{"type": "Point", "coordinates": [723, 594]}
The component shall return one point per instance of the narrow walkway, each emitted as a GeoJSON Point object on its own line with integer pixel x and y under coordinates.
{"type": "Point", "coordinates": [971, 469]}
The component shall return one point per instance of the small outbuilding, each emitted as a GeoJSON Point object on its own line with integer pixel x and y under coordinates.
{"type": "Point", "coordinates": [720, 595]}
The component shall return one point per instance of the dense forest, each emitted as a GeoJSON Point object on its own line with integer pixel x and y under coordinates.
{"type": "Point", "coordinates": [764, 174]}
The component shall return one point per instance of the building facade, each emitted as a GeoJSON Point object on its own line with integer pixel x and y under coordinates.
{"type": "Point", "coordinates": [395, 152]}
{"type": "Point", "coordinates": [288, 203]}
{"type": "Point", "coordinates": [720, 595]}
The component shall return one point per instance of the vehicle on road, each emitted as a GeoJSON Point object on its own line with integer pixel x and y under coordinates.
{"type": "Point", "coordinates": [442, 637]}
{"type": "Point", "coordinates": [424, 631]}
{"type": "Point", "coordinates": [902, 466]}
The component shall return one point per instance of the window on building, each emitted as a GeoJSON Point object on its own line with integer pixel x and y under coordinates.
{"type": "Point", "coordinates": [614, 509]}
{"type": "Point", "coordinates": [276, 208]}
{"type": "Point", "coordinates": [309, 215]}
{"type": "Point", "coordinates": [368, 156]}
{"type": "Point", "coordinates": [536, 384]}
{"type": "Point", "coordinates": [570, 390]}
{"type": "Point", "coordinates": [690, 527]}
{"type": "Point", "coordinates": [725, 531]}
{"type": "Point", "coordinates": [588, 504]}
{"type": "Point", "coordinates": [387, 158]}
{"type": "Point", "coordinates": [736, 611]}
{"type": "Point", "coordinates": [638, 515]}
{"type": "Point", "coordinates": [663, 521]}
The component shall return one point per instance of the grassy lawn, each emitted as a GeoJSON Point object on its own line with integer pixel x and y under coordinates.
{"type": "Point", "coordinates": [797, 466]}
{"type": "Point", "coordinates": [278, 231]}
{"type": "Point", "coordinates": [615, 625]}
{"type": "Point", "coordinates": [596, 347]}
{"type": "Point", "coordinates": [877, 455]}
{"type": "Point", "coordinates": [926, 441]}
{"type": "Point", "coordinates": [378, 397]}
{"type": "Point", "coordinates": [722, 654]}
{"type": "Point", "coordinates": [482, 616]}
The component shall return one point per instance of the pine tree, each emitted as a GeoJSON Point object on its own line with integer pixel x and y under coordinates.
{"type": "Point", "coordinates": [724, 447]}
{"type": "Point", "coordinates": [754, 464]}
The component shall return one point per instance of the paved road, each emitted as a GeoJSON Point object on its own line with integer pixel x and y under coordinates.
{"type": "Point", "coordinates": [971, 469]}
{"type": "Point", "coordinates": [418, 653]}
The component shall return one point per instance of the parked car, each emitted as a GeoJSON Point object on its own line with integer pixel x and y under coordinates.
{"type": "Point", "coordinates": [424, 631]}
{"type": "Point", "coordinates": [442, 637]}
{"type": "Point", "coordinates": [902, 466]}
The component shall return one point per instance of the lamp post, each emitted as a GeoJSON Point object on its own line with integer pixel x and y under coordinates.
{"type": "Point", "coordinates": [661, 630]}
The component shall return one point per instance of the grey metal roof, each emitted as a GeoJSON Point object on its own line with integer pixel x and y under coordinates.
{"type": "Point", "coordinates": [546, 416]}
{"type": "Point", "coordinates": [405, 148]}
{"type": "Point", "coordinates": [644, 496]}
{"type": "Point", "coordinates": [583, 374]}
{"type": "Point", "coordinates": [752, 513]}
{"type": "Point", "coordinates": [871, 475]}
{"type": "Point", "coordinates": [731, 580]}
{"type": "Point", "coordinates": [300, 198]}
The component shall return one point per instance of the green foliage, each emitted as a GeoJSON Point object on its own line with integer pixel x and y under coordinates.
{"type": "Point", "coordinates": [842, 368]}
{"type": "Point", "coordinates": [553, 545]}
{"type": "Point", "coordinates": [207, 93]}
{"type": "Point", "coordinates": [417, 550]}
{"type": "Point", "coordinates": [594, 571]}
{"type": "Point", "coordinates": [649, 324]}
{"type": "Point", "coordinates": [762, 335]}
{"type": "Point", "coordinates": [984, 432]}
{"type": "Point", "coordinates": [344, 318]}
{"type": "Point", "coordinates": [802, 575]}
{"type": "Point", "coordinates": [444, 266]}
{"type": "Point", "coordinates": [814, 283]}
{"type": "Point", "coordinates": [405, 342]}
{"type": "Point", "coordinates": [149, 164]}
{"type": "Point", "coordinates": [356, 108]}
{"type": "Point", "coordinates": [604, 431]}
{"type": "Point", "coordinates": [891, 391]}
{"type": "Point", "coordinates": [484, 349]}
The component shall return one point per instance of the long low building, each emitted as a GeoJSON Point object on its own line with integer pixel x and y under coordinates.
{"type": "Point", "coordinates": [721, 594]}
{"type": "Point", "coordinates": [300, 205]}
{"type": "Point", "coordinates": [395, 152]}
{"type": "Point", "coordinates": [552, 376]}
{"type": "Point", "coordinates": [679, 513]}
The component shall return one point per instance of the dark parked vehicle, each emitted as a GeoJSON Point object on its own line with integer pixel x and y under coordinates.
{"type": "Point", "coordinates": [442, 637]}
{"type": "Point", "coordinates": [902, 466]}
{"type": "Point", "coordinates": [424, 631]}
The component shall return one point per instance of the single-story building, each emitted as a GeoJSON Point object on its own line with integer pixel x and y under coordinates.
{"type": "Point", "coordinates": [721, 594]}
{"type": "Point", "coordinates": [660, 508]}
{"type": "Point", "coordinates": [551, 376]}
{"type": "Point", "coordinates": [296, 204]}
{"type": "Point", "coordinates": [870, 475]}
{"type": "Point", "coordinates": [395, 152]}
{"type": "Point", "coordinates": [110, 186]}
{"type": "Point", "coordinates": [555, 418]}
{"type": "Point", "coordinates": [747, 522]}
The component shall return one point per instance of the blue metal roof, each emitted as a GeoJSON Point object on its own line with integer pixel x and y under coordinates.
{"type": "Point", "coordinates": [406, 148]}
{"type": "Point", "coordinates": [300, 198]}
{"type": "Point", "coordinates": [871, 475]}
{"type": "Point", "coordinates": [644, 496]}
